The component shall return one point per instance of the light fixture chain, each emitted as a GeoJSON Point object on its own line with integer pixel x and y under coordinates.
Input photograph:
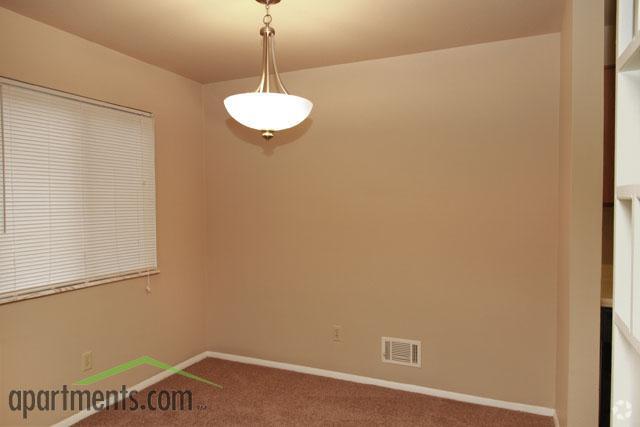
{"type": "Point", "coordinates": [266, 20]}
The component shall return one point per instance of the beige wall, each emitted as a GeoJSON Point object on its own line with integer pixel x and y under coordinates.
{"type": "Point", "coordinates": [580, 219]}
{"type": "Point", "coordinates": [41, 340]}
{"type": "Point", "coordinates": [419, 201]}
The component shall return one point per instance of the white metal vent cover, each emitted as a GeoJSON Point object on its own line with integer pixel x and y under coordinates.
{"type": "Point", "coordinates": [402, 352]}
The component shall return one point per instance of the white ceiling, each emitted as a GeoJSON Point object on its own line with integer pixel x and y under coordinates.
{"type": "Point", "coordinates": [214, 40]}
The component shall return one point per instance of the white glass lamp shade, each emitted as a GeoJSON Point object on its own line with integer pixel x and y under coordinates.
{"type": "Point", "coordinates": [268, 111]}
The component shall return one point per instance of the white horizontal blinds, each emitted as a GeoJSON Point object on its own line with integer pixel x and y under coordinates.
{"type": "Point", "coordinates": [2, 171]}
{"type": "Point", "coordinates": [80, 191]}
{"type": "Point", "coordinates": [148, 195]}
{"type": "Point", "coordinates": [6, 262]}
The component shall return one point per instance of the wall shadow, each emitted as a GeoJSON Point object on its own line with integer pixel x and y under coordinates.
{"type": "Point", "coordinates": [253, 137]}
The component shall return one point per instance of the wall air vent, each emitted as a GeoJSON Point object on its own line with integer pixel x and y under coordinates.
{"type": "Point", "coordinates": [402, 352]}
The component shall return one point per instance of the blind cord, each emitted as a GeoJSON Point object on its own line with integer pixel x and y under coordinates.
{"type": "Point", "coordinates": [144, 218]}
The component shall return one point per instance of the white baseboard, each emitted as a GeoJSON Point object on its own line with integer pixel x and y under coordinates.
{"type": "Point", "coordinates": [513, 406]}
{"type": "Point", "coordinates": [521, 407]}
{"type": "Point", "coordinates": [77, 417]}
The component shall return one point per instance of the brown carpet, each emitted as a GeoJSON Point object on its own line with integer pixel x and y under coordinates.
{"type": "Point", "coordinates": [254, 395]}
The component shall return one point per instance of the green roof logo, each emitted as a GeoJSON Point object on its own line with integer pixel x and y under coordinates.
{"type": "Point", "coordinates": [144, 360]}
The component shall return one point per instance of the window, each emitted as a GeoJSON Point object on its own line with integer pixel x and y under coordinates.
{"type": "Point", "coordinates": [77, 190]}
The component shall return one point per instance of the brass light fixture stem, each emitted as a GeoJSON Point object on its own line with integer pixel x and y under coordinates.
{"type": "Point", "coordinates": [270, 79]}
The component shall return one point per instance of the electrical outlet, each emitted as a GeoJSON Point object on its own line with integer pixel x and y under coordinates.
{"type": "Point", "coordinates": [86, 361]}
{"type": "Point", "coordinates": [337, 333]}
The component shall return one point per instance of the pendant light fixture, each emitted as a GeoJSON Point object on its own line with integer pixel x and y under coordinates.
{"type": "Point", "coordinates": [270, 108]}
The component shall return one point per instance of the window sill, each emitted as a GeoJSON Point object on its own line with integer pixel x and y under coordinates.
{"type": "Point", "coordinates": [11, 297]}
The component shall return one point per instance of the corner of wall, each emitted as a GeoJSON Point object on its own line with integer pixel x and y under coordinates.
{"type": "Point", "coordinates": [580, 206]}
